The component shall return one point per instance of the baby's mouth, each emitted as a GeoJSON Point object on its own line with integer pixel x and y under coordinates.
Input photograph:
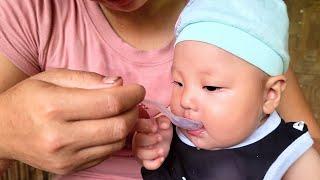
{"type": "Point", "coordinates": [197, 132]}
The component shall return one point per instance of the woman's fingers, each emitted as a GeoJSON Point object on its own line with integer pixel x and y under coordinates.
{"type": "Point", "coordinates": [95, 154]}
{"type": "Point", "coordinates": [81, 104]}
{"type": "Point", "coordinates": [102, 131]}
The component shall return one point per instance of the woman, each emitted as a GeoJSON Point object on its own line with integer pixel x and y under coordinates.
{"type": "Point", "coordinates": [127, 38]}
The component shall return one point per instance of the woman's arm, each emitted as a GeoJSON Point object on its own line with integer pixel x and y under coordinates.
{"type": "Point", "coordinates": [294, 107]}
{"type": "Point", "coordinates": [10, 75]}
{"type": "Point", "coordinates": [306, 167]}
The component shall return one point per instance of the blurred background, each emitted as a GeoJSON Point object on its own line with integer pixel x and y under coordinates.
{"type": "Point", "coordinates": [304, 48]}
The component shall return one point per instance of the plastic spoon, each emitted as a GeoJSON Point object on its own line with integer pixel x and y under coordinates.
{"type": "Point", "coordinates": [181, 122]}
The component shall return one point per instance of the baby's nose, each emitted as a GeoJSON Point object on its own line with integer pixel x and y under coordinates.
{"type": "Point", "coordinates": [188, 100]}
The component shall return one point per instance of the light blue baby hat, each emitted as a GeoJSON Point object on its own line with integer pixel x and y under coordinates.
{"type": "Point", "coordinates": [254, 30]}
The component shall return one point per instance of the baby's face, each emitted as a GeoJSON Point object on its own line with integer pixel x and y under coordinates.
{"type": "Point", "coordinates": [219, 89]}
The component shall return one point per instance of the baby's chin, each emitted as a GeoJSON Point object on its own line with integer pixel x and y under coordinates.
{"type": "Point", "coordinates": [201, 139]}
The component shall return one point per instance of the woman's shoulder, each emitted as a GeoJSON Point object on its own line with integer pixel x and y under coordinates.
{"type": "Point", "coordinates": [37, 10]}
{"type": "Point", "coordinates": [27, 26]}
{"type": "Point", "coordinates": [37, 19]}
{"type": "Point", "coordinates": [27, 8]}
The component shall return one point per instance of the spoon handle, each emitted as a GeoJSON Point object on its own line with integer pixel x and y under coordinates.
{"type": "Point", "coordinates": [176, 120]}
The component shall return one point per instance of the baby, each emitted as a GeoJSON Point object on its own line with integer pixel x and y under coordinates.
{"type": "Point", "coordinates": [230, 57]}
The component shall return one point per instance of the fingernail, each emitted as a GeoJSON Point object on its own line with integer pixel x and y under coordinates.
{"type": "Point", "coordinates": [111, 79]}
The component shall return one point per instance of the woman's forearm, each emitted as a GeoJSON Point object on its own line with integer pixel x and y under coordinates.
{"type": "Point", "coordinates": [9, 76]}
{"type": "Point", "coordinates": [294, 107]}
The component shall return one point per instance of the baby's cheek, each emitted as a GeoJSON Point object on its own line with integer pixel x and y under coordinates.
{"type": "Point", "coordinates": [176, 109]}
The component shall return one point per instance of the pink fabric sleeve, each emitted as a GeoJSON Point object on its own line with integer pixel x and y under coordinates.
{"type": "Point", "coordinates": [20, 33]}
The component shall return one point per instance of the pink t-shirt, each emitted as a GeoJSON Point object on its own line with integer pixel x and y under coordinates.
{"type": "Point", "coordinates": [37, 35]}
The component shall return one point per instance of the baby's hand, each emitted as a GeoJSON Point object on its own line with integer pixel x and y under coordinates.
{"type": "Point", "coordinates": [151, 142]}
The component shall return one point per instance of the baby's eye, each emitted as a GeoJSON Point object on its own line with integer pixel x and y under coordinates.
{"type": "Point", "coordinates": [211, 88]}
{"type": "Point", "coordinates": [177, 83]}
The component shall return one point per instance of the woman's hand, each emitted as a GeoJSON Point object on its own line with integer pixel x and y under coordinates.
{"type": "Point", "coordinates": [63, 121]}
{"type": "Point", "coordinates": [151, 142]}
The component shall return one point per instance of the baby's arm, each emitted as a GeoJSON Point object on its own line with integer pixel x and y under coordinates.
{"type": "Point", "coordinates": [306, 167]}
{"type": "Point", "coordinates": [151, 142]}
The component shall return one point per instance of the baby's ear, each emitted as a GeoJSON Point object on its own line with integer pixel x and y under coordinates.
{"type": "Point", "coordinates": [273, 89]}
